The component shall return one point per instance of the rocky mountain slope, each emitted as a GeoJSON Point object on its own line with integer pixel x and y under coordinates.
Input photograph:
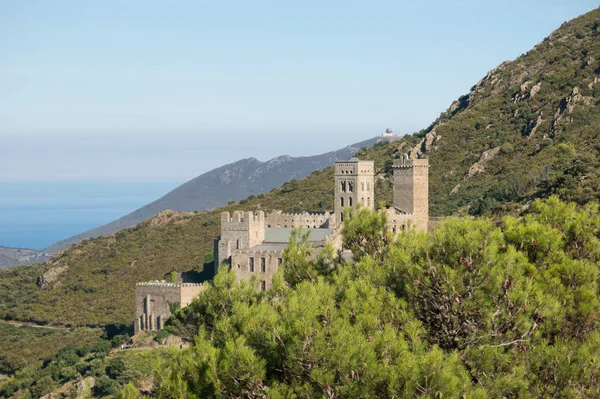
{"type": "Point", "coordinates": [528, 129]}
{"type": "Point", "coordinates": [13, 256]}
{"type": "Point", "coordinates": [231, 182]}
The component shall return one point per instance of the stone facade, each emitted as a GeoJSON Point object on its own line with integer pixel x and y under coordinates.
{"type": "Point", "coordinates": [152, 302]}
{"type": "Point", "coordinates": [411, 195]}
{"type": "Point", "coordinates": [238, 231]}
{"type": "Point", "coordinates": [278, 219]}
{"type": "Point", "coordinates": [354, 186]}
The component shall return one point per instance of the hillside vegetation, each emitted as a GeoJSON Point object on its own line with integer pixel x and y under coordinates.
{"type": "Point", "coordinates": [528, 129]}
{"type": "Point", "coordinates": [474, 310]}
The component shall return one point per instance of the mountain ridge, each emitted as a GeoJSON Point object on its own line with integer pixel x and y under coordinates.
{"type": "Point", "coordinates": [231, 182]}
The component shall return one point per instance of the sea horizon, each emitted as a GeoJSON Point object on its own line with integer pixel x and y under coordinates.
{"type": "Point", "coordinates": [37, 214]}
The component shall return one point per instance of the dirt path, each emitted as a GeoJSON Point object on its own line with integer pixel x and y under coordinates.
{"type": "Point", "coordinates": [27, 324]}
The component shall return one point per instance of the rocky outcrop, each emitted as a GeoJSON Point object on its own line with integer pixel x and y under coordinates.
{"type": "Point", "coordinates": [484, 159]}
{"type": "Point", "coordinates": [50, 278]}
{"type": "Point", "coordinates": [532, 127]}
{"type": "Point", "coordinates": [566, 108]}
{"type": "Point", "coordinates": [525, 93]}
{"type": "Point", "coordinates": [83, 389]}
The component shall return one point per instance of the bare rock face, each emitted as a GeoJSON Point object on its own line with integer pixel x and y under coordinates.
{"type": "Point", "coordinates": [484, 159]}
{"type": "Point", "coordinates": [50, 278]}
{"type": "Point", "coordinates": [455, 189]}
{"type": "Point", "coordinates": [535, 90]}
{"type": "Point", "coordinates": [533, 126]}
{"type": "Point", "coordinates": [567, 106]}
{"type": "Point", "coordinates": [84, 387]}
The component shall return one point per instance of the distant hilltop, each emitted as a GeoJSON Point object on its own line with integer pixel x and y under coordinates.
{"type": "Point", "coordinates": [19, 256]}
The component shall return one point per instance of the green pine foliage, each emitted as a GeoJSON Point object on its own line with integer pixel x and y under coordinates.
{"type": "Point", "coordinates": [475, 309]}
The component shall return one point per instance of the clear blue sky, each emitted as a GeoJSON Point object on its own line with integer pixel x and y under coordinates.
{"type": "Point", "coordinates": [165, 90]}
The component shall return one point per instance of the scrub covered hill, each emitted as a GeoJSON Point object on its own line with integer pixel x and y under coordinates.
{"type": "Point", "coordinates": [475, 309]}
{"type": "Point", "coordinates": [528, 129]}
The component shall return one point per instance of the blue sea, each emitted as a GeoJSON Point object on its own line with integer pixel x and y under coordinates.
{"type": "Point", "coordinates": [35, 215]}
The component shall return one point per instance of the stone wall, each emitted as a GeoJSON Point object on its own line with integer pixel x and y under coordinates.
{"type": "Point", "coordinates": [278, 219]}
{"type": "Point", "coordinates": [411, 186]}
{"type": "Point", "coordinates": [152, 302]}
{"type": "Point", "coordinates": [239, 230]}
{"type": "Point", "coordinates": [241, 264]}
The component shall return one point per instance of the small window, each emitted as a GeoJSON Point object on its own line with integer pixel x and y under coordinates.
{"type": "Point", "coordinates": [342, 217]}
{"type": "Point", "coordinates": [368, 186]}
{"type": "Point", "coordinates": [237, 244]}
{"type": "Point", "coordinates": [263, 265]}
{"type": "Point", "coordinates": [279, 261]}
{"type": "Point", "coordinates": [342, 202]}
{"type": "Point", "coordinates": [343, 186]}
{"type": "Point", "coordinates": [350, 186]}
{"type": "Point", "coordinates": [362, 186]}
{"type": "Point", "coordinates": [252, 265]}
{"type": "Point", "coordinates": [369, 201]}
{"type": "Point", "coordinates": [350, 201]}
{"type": "Point", "coordinates": [263, 285]}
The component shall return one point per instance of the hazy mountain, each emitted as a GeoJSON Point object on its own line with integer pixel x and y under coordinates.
{"type": "Point", "coordinates": [216, 188]}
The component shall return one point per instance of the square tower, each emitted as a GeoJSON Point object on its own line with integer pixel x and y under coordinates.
{"type": "Point", "coordinates": [354, 185]}
{"type": "Point", "coordinates": [239, 230]}
{"type": "Point", "coordinates": [411, 186]}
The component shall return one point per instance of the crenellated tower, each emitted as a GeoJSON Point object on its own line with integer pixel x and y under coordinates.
{"type": "Point", "coordinates": [411, 186]}
{"type": "Point", "coordinates": [238, 231]}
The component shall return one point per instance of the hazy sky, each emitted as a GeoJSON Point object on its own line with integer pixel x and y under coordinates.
{"type": "Point", "coordinates": [166, 90]}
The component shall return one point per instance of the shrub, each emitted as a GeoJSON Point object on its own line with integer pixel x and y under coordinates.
{"type": "Point", "coordinates": [115, 367]}
{"type": "Point", "coordinates": [161, 337]}
{"type": "Point", "coordinates": [105, 386]}
{"type": "Point", "coordinates": [42, 387]}
{"type": "Point", "coordinates": [129, 391]}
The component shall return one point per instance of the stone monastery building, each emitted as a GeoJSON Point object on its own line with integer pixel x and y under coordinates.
{"type": "Point", "coordinates": [252, 243]}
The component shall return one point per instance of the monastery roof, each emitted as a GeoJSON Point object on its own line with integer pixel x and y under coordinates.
{"type": "Point", "coordinates": [282, 235]}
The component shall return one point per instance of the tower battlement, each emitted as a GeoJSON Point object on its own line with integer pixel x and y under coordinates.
{"type": "Point", "coordinates": [241, 217]}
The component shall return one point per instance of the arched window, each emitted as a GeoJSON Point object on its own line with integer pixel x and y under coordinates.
{"type": "Point", "coordinates": [369, 201]}
{"type": "Point", "coordinates": [362, 186]}
{"type": "Point", "coordinates": [350, 201]}
{"type": "Point", "coordinates": [350, 186]}
{"type": "Point", "coordinates": [343, 186]}
{"type": "Point", "coordinates": [342, 202]}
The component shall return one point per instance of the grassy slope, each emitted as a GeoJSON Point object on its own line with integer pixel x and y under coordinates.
{"type": "Point", "coordinates": [98, 287]}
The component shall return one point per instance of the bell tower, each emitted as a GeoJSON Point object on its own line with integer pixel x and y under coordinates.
{"type": "Point", "coordinates": [354, 186]}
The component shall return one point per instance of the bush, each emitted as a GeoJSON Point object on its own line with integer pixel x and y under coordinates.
{"type": "Point", "coordinates": [115, 367]}
{"type": "Point", "coordinates": [129, 391]}
{"type": "Point", "coordinates": [102, 347]}
{"type": "Point", "coordinates": [42, 387]}
{"type": "Point", "coordinates": [105, 386]}
{"type": "Point", "coordinates": [162, 336]}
